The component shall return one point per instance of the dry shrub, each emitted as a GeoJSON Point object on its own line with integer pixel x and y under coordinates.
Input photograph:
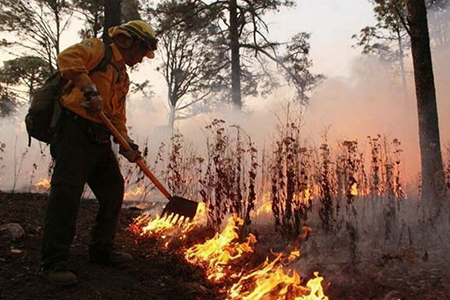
{"type": "Point", "coordinates": [330, 188]}
{"type": "Point", "coordinates": [184, 168]}
{"type": "Point", "coordinates": [228, 184]}
{"type": "Point", "coordinates": [290, 177]}
{"type": "Point", "coordinates": [2, 150]}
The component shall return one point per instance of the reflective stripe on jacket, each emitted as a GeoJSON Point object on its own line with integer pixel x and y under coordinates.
{"type": "Point", "coordinates": [74, 64]}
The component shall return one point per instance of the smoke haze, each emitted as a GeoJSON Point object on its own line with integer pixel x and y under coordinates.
{"type": "Point", "coordinates": [365, 103]}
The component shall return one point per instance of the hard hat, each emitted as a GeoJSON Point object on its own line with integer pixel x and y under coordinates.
{"type": "Point", "coordinates": [140, 30]}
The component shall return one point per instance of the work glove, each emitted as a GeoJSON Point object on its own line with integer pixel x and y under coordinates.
{"type": "Point", "coordinates": [93, 103]}
{"type": "Point", "coordinates": [132, 155]}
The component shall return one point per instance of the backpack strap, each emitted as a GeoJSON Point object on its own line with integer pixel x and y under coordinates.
{"type": "Point", "coordinates": [106, 60]}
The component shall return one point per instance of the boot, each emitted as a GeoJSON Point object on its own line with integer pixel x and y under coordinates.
{"type": "Point", "coordinates": [60, 275]}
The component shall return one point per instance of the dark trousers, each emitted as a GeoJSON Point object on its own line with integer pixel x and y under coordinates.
{"type": "Point", "coordinates": [80, 157]}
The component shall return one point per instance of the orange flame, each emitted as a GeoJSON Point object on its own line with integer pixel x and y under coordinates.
{"type": "Point", "coordinates": [221, 255]}
{"type": "Point", "coordinates": [354, 189]}
{"type": "Point", "coordinates": [165, 225]}
{"type": "Point", "coordinates": [144, 225]}
{"type": "Point", "coordinates": [221, 251]}
{"type": "Point", "coordinates": [270, 280]}
{"type": "Point", "coordinates": [133, 194]}
{"type": "Point", "coordinates": [42, 186]}
{"type": "Point", "coordinates": [264, 209]}
{"type": "Point", "coordinates": [308, 195]}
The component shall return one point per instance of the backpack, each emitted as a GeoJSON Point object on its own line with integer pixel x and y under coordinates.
{"type": "Point", "coordinates": [45, 108]}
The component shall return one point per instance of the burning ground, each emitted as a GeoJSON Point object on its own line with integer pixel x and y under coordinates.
{"type": "Point", "coordinates": [291, 220]}
{"type": "Point", "coordinates": [171, 264]}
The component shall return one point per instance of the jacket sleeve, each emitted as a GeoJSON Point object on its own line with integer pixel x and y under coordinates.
{"type": "Point", "coordinates": [75, 62]}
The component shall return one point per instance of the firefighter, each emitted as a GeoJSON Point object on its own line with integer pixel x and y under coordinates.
{"type": "Point", "coordinates": [82, 149]}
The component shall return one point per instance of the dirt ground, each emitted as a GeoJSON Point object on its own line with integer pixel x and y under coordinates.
{"type": "Point", "coordinates": [152, 275]}
{"type": "Point", "coordinates": [163, 275]}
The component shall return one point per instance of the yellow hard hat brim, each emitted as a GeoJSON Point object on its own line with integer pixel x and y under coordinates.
{"type": "Point", "coordinates": [113, 31]}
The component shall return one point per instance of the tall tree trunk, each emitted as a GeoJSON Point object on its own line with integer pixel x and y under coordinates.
{"type": "Point", "coordinates": [173, 99]}
{"type": "Point", "coordinates": [235, 59]}
{"type": "Point", "coordinates": [173, 94]}
{"type": "Point", "coordinates": [172, 118]}
{"type": "Point", "coordinates": [95, 25]}
{"type": "Point", "coordinates": [112, 17]}
{"type": "Point", "coordinates": [433, 180]}
{"type": "Point", "coordinates": [402, 66]}
{"type": "Point", "coordinates": [56, 8]}
{"type": "Point", "coordinates": [58, 30]}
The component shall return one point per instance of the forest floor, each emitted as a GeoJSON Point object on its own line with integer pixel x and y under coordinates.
{"type": "Point", "coordinates": [162, 274]}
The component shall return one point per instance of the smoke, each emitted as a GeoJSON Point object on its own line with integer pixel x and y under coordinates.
{"type": "Point", "coordinates": [20, 166]}
{"type": "Point", "coordinates": [367, 102]}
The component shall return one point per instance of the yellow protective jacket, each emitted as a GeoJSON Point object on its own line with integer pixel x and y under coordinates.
{"type": "Point", "coordinates": [75, 62]}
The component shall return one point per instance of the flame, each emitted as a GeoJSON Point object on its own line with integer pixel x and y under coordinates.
{"type": "Point", "coordinates": [220, 252]}
{"type": "Point", "coordinates": [307, 194]}
{"type": "Point", "coordinates": [42, 186]}
{"type": "Point", "coordinates": [264, 209]}
{"type": "Point", "coordinates": [171, 225]}
{"type": "Point", "coordinates": [294, 255]}
{"type": "Point", "coordinates": [133, 194]}
{"type": "Point", "coordinates": [200, 216]}
{"type": "Point", "coordinates": [354, 189]}
{"type": "Point", "coordinates": [220, 257]}
{"type": "Point", "coordinates": [270, 281]}
{"type": "Point", "coordinates": [163, 225]}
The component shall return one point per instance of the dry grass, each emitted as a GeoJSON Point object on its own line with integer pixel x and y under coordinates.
{"type": "Point", "coordinates": [348, 189]}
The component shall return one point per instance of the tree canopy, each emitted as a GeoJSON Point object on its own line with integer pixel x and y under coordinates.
{"type": "Point", "coordinates": [220, 50]}
{"type": "Point", "coordinates": [244, 34]}
{"type": "Point", "coordinates": [29, 70]}
{"type": "Point", "coordinates": [190, 59]}
{"type": "Point", "coordinates": [36, 27]}
{"type": "Point", "coordinates": [211, 49]}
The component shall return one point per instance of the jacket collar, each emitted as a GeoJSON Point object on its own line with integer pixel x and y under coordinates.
{"type": "Point", "coordinates": [118, 59]}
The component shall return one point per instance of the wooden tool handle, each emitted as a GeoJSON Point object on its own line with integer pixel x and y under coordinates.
{"type": "Point", "coordinates": [140, 162]}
